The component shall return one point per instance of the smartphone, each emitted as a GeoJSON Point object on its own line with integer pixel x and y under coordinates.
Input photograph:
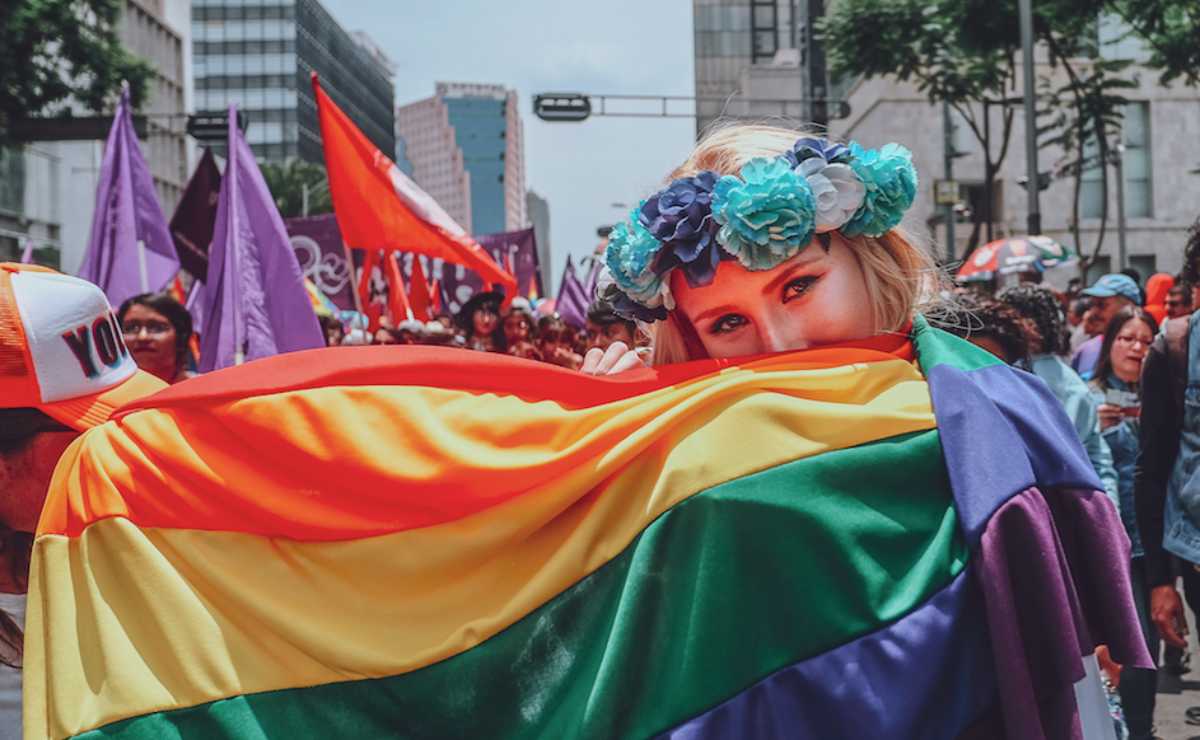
{"type": "Point", "coordinates": [1127, 401]}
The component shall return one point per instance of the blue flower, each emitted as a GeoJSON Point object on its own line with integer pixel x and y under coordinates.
{"type": "Point", "coordinates": [891, 186]}
{"type": "Point", "coordinates": [766, 216]}
{"type": "Point", "coordinates": [680, 215]}
{"type": "Point", "coordinates": [630, 258]}
{"type": "Point", "coordinates": [813, 146]}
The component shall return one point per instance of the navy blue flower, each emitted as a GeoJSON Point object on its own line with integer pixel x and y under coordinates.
{"type": "Point", "coordinates": [680, 216]}
{"type": "Point", "coordinates": [812, 146]}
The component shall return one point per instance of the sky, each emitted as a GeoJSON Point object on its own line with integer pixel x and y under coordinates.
{"type": "Point", "coordinates": [612, 47]}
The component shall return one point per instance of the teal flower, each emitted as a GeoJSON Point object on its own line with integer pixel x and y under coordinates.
{"type": "Point", "coordinates": [630, 257]}
{"type": "Point", "coordinates": [766, 216]}
{"type": "Point", "coordinates": [891, 183]}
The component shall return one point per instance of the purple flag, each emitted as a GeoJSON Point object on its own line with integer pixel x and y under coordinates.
{"type": "Point", "coordinates": [27, 255]}
{"type": "Point", "coordinates": [130, 250]}
{"type": "Point", "coordinates": [593, 277]}
{"type": "Point", "coordinates": [255, 303]}
{"type": "Point", "coordinates": [572, 302]}
{"type": "Point", "coordinates": [192, 223]}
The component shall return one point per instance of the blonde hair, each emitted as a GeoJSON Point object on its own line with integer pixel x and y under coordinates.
{"type": "Point", "coordinates": [899, 272]}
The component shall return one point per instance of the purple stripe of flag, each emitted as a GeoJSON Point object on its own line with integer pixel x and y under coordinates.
{"type": "Point", "coordinates": [572, 302]}
{"type": "Point", "coordinates": [928, 675]}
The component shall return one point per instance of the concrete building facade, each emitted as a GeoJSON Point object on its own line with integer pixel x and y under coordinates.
{"type": "Point", "coordinates": [261, 54]}
{"type": "Point", "coordinates": [538, 210]}
{"type": "Point", "coordinates": [56, 198]}
{"type": "Point", "coordinates": [1161, 189]}
{"type": "Point", "coordinates": [465, 147]}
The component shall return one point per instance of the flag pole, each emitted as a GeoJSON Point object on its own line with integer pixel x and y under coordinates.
{"type": "Point", "coordinates": [142, 271]}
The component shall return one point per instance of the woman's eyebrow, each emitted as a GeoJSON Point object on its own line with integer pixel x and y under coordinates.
{"type": "Point", "coordinates": [784, 276]}
{"type": "Point", "coordinates": [726, 308]}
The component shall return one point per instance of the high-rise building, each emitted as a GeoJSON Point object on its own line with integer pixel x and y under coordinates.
{"type": "Point", "coordinates": [260, 54]}
{"type": "Point", "coordinates": [55, 173]}
{"type": "Point", "coordinates": [539, 216]}
{"type": "Point", "coordinates": [758, 59]}
{"type": "Point", "coordinates": [465, 147]}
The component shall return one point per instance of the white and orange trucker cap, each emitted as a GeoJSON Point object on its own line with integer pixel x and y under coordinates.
{"type": "Point", "coordinates": [62, 350]}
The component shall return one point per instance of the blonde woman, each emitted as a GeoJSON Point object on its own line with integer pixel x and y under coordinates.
{"type": "Point", "coordinates": [769, 241]}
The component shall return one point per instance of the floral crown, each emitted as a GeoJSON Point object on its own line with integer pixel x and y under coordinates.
{"type": "Point", "coordinates": [764, 216]}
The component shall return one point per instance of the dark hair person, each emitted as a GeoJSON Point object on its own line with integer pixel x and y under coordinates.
{"type": "Point", "coordinates": [996, 327]}
{"type": "Point", "coordinates": [1117, 390]}
{"type": "Point", "coordinates": [157, 331]}
{"type": "Point", "coordinates": [479, 319]}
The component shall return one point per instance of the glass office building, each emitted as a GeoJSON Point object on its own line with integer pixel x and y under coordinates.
{"type": "Point", "coordinates": [260, 55]}
{"type": "Point", "coordinates": [464, 146]}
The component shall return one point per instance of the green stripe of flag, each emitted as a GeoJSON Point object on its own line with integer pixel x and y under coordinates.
{"type": "Point", "coordinates": [719, 592]}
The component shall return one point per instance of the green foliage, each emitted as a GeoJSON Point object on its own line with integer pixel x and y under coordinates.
{"type": "Point", "coordinates": [54, 52]}
{"type": "Point", "coordinates": [287, 182]}
{"type": "Point", "coordinates": [1171, 28]}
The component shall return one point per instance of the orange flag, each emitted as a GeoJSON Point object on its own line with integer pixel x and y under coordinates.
{"type": "Point", "coordinates": [371, 309]}
{"type": "Point", "coordinates": [379, 207]}
{"type": "Point", "coordinates": [397, 299]}
{"type": "Point", "coordinates": [435, 297]}
{"type": "Point", "coordinates": [418, 291]}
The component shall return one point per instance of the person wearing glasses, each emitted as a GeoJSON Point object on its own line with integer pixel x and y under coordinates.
{"type": "Point", "coordinates": [1117, 390]}
{"type": "Point", "coordinates": [157, 329]}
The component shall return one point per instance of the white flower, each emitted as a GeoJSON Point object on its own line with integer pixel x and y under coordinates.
{"type": "Point", "coordinates": [836, 189]}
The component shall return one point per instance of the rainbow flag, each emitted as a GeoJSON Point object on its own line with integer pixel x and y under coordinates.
{"type": "Point", "coordinates": [420, 542]}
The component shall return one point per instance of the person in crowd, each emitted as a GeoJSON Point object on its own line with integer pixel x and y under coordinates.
{"type": "Point", "coordinates": [69, 371]}
{"type": "Point", "coordinates": [1048, 346]}
{"type": "Point", "coordinates": [409, 331]}
{"type": "Point", "coordinates": [1158, 287]}
{"type": "Point", "coordinates": [1109, 294]}
{"type": "Point", "coordinates": [334, 332]}
{"type": "Point", "coordinates": [739, 289]}
{"type": "Point", "coordinates": [1133, 274]}
{"type": "Point", "coordinates": [605, 326]}
{"type": "Point", "coordinates": [996, 327]}
{"type": "Point", "coordinates": [1178, 303]}
{"type": "Point", "coordinates": [518, 326]}
{"type": "Point", "coordinates": [384, 335]}
{"type": "Point", "coordinates": [479, 320]}
{"type": "Point", "coordinates": [158, 331]}
{"type": "Point", "coordinates": [1077, 313]}
{"type": "Point", "coordinates": [554, 343]}
{"type": "Point", "coordinates": [525, 349]}
{"type": "Point", "coordinates": [1166, 494]}
{"type": "Point", "coordinates": [1117, 390]}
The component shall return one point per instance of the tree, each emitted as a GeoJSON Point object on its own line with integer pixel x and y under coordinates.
{"type": "Point", "coordinates": [964, 52]}
{"type": "Point", "coordinates": [1171, 30]}
{"type": "Point", "coordinates": [288, 182]}
{"type": "Point", "coordinates": [57, 52]}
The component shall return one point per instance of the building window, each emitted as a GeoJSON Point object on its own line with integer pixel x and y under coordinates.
{"type": "Point", "coordinates": [1139, 195]}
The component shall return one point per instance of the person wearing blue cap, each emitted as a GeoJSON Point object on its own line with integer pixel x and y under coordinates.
{"type": "Point", "coordinates": [1109, 295]}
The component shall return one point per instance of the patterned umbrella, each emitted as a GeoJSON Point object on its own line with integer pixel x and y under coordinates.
{"type": "Point", "coordinates": [1006, 256]}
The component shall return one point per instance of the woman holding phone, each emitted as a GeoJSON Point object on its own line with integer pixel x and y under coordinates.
{"type": "Point", "coordinates": [1117, 391]}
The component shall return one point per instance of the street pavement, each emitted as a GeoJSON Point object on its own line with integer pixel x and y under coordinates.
{"type": "Point", "coordinates": [1176, 694]}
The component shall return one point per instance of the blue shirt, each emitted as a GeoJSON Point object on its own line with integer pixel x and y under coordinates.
{"type": "Point", "coordinates": [1076, 398]}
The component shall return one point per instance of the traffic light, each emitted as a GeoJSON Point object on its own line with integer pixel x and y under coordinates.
{"type": "Point", "coordinates": [562, 107]}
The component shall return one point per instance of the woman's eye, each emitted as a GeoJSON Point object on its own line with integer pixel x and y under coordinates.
{"type": "Point", "coordinates": [798, 287]}
{"type": "Point", "coordinates": [727, 323]}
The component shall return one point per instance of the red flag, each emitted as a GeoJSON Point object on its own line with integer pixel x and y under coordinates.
{"type": "Point", "coordinates": [370, 308]}
{"type": "Point", "coordinates": [435, 297]}
{"type": "Point", "coordinates": [398, 305]}
{"type": "Point", "coordinates": [418, 291]}
{"type": "Point", "coordinates": [379, 207]}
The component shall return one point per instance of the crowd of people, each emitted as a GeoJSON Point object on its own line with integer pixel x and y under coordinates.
{"type": "Point", "coordinates": [159, 332]}
{"type": "Point", "coordinates": [838, 275]}
{"type": "Point", "coordinates": [1091, 346]}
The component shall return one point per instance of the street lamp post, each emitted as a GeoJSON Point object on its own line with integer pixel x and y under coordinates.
{"type": "Point", "coordinates": [1025, 8]}
{"type": "Point", "coordinates": [1118, 162]}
